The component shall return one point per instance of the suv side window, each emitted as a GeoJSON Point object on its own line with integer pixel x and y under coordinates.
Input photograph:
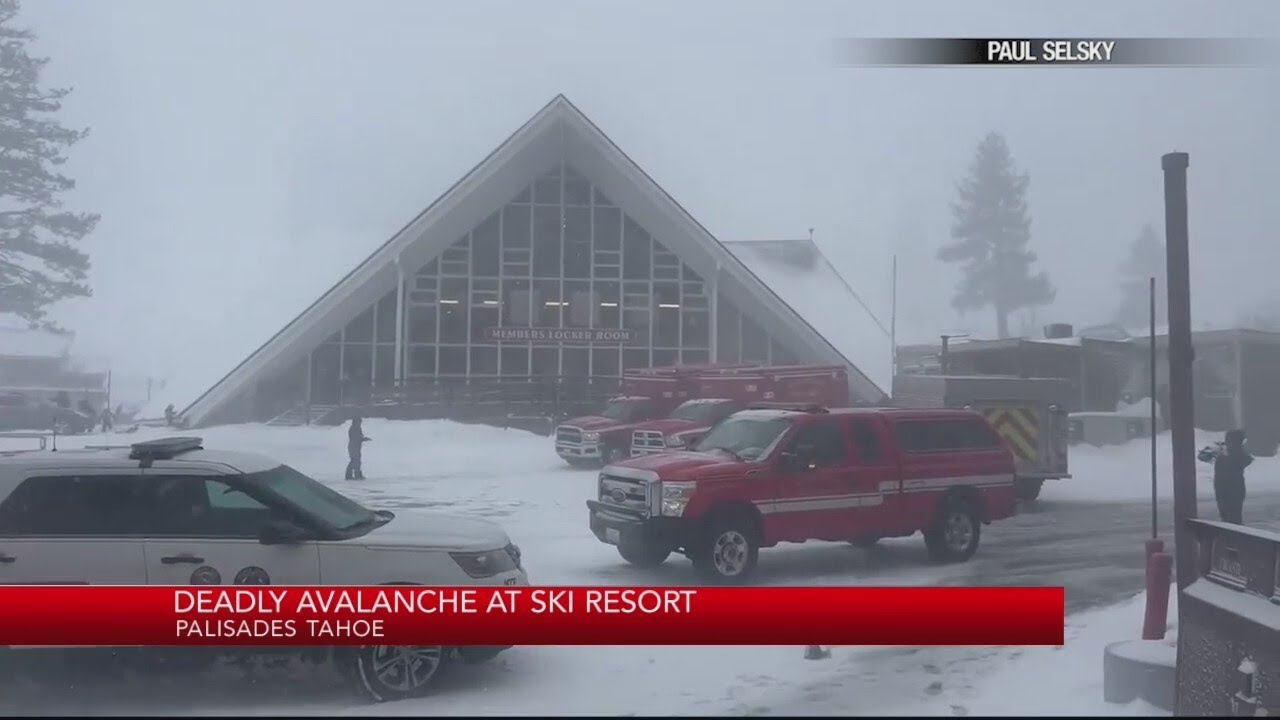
{"type": "Point", "coordinates": [75, 505]}
{"type": "Point", "coordinates": [821, 443]}
{"type": "Point", "coordinates": [867, 443]}
{"type": "Point", "coordinates": [949, 435]}
{"type": "Point", "coordinates": [202, 506]}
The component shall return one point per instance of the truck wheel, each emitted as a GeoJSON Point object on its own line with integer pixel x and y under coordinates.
{"type": "Point", "coordinates": [396, 672]}
{"type": "Point", "coordinates": [729, 551]}
{"type": "Point", "coordinates": [955, 533]}
{"type": "Point", "coordinates": [1029, 489]}
{"type": "Point", "coordinates": [643, 554]}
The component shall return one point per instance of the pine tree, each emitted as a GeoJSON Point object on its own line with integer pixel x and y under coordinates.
{"type": "Point", "coordinates": [39, 262]}
{"type": "Point", "coordinates": [1146, 260]}
{"type": "Point", "coordinates": [991, 233]}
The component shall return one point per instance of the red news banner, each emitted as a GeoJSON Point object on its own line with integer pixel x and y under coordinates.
{"type": "Point", "coordinates": [47, 615]}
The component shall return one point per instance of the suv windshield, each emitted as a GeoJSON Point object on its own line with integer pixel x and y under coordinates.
{"type": "Point", "coordinates": [619, 410]}
{"type": "Point", "coordinates": [313, 499]}
{"type": "Point", "coordinates": [748, 438]}
{"type": "Point", "coordinates": [703, 413]}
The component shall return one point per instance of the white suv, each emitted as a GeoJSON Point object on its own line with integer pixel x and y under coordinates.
{"type": "Point", "coordinates": [168, 512]}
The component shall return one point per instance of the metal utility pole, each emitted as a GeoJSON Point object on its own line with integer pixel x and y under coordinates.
{"type": "Point", "coordinates": [1181, 355]}
{"type": "Point", "coordinates": [1154, 497]}
{"type": "Point", "coordinates": [893, 321]}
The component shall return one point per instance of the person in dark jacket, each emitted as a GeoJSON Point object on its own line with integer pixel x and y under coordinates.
{"type": "Point", "coordinates": [355, 443]}
{"type": "Point", "coordinates": [1229, 461]}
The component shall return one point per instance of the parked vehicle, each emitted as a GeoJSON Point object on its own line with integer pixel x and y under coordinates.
{"type": "Point", "coordinates": [1029, 413]}
{"type": "Point", "coordinates": [169, 512]}
{"type": "Point", "coordinates": [654, 393]}
{"type": "Point", "coordinates": [764, 477]}
{"type": "Point", "coordinates": [683, 427]}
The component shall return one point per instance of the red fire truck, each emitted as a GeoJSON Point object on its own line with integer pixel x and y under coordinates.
{"type": "Point", "coordinates": [654, 393]}
{"type": "Point", "coordinates": [764, 477]}
{"type": "Point", "coordinates": [722, 394]}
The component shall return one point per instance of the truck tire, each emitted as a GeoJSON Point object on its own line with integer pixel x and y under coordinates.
{"type": "Point", "coordinates": [728, 550]}
{"type": "Point", "coordinates": [385, 673]}
{"type": "Point", "coordinates": [644, 555]}
{"type": "Point", "coordinates": [1029, 489]}
{"type": "Point", "coordinates": [955, 532]}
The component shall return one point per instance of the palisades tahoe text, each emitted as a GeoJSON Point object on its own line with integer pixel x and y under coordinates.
{"type": "Point", "coordinates": [195, 606]}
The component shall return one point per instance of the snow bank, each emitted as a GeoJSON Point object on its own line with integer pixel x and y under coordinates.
{"type": "Point", "coordinates": [1123, 472]}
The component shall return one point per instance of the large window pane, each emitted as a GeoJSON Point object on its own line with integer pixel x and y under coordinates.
{"type": "Point", "coordinates": [609, 300]}
{"type": "Point", "coordinates": [453, 361]}
{"type": "Point", "coordinates": [547, 303]}
{"type": "Point", "coordinates": [577, 190]}
{"type": "Point", "coordinates": [484, 248]}
{"type": "Point", "coordinates": [575, 361]}
{"type": "Point", "coordinates": [755, 343]}
{"type": "Point", "coordinates": [484, 361]}
{"type": "Point", "coordinates": [637, 321]}
{"type": "Point", "coordinates": [483, 318]}
{"type": "Point", "coordinates": [781, 356]}
{"type": "Point", "coordinates": [577, 242]}
{"type": "Point", "coordinates": [608, 229]}
{"type": "Point", "coordinates": [361, 328]}
{"type": "Point", "coordinates": [546, 242]}
{"type": "Point", "coordinates": [357, 372]}
{"type": "Point", "coordinates": [727, 332]}
{"type": "Point", "coordinates": [666, 301]}
{"type": "Point", "coordinates": [546, 361]}
{"type": "Point", "coordinates": [635, 251]}
{"type": "Point", "coordinates": [515, 360]}
{"type": "Point", "coordinates": [695, 357]}
{"type": "Point", "coordinates": [453, 310]}
{"type": "Point", "coordinates": [546, 190]}
{"type": "Point", "coordinates": [582, 305]}
{"type": "Point", "coordinates": [665, 358]}
{"type": "Point", "coordinates": [635, 358]}
{"type": "Point", "coordinates": [605, 362]}
{"type": "Point", "coordinates": [421, 360]}
{"type": "Point", "coordinates": [387, 318]}
{"type": "Point", "coordinates": [384, 366]}
{"type": "Point", "coordinates": [697, 331]}
{"type": "Point", "coordinates": [516, 303]}
{"type": "Point", "coordinates": [516, 221]}
{"type": "Point", "coordinates": [422, 323]}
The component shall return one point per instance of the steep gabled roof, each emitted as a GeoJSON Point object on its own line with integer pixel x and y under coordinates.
{"type": "Point", "coordinates": [559, 131]}
{"type": "Point", "coordinates": [802, 277]}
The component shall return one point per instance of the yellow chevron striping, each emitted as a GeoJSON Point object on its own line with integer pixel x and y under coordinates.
{"type": "Point", "coordinates": [1019, 427]}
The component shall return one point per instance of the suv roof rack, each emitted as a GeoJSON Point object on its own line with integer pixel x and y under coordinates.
{"type": "Point", "coordinates": [815, 409]}
{"type": "Point", "coordinates": [163, 449]}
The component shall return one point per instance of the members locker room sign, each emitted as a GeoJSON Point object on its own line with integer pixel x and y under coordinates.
{"type": "Point", "coordinates": [557, 336]}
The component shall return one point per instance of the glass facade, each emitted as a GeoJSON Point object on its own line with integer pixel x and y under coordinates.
{"type": "Point", "coordinates": [557, 282]}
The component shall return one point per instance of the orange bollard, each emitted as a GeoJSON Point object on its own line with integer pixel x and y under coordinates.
{"type": "Point", "coordinates": [1159, 575]}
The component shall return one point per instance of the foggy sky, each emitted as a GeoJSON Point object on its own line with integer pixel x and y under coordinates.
{"type": "Point", "coordinates": [245, 155]}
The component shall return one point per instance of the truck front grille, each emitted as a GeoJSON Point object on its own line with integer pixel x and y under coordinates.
{"type": "Point", "coordinates": [569, 435]}
{"type": "Point", "coordinates": [624, 492]}
{"type": "Point", "coordinates": [647, 442]}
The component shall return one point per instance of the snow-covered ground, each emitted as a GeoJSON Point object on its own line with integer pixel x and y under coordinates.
{"type": "Point", "coordinates": [1123, 472]}
{"type": "Point", "coordinates": [514, 478]}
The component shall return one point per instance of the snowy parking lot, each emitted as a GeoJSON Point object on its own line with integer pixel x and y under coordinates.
{"type": "Point", "coordinates": [1084, 533]}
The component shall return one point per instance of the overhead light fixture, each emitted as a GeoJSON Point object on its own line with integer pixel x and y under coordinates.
{"type": "Point", "coordinates": [669, 306]}
{"type": "Point", "coordinates": [448, 302]}
{"type": "Point", "coordinates": [608, 304]}
{"type": "Point", "coordinates": [490, 302]}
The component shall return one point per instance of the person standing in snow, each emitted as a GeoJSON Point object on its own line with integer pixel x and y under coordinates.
{"type": "Point", "coordinates": [107, 419]}
{"type": "Point", "coordinates": [1229, 461]}
{"type": "Point", "coordinates": [355, 443]}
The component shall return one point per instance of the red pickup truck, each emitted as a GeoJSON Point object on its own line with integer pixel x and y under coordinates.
{"type": "Point", "coordinates": [764, 477]}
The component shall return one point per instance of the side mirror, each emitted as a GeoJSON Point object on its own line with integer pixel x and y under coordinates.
{"type": "Point", "coordinates": [279, 532]}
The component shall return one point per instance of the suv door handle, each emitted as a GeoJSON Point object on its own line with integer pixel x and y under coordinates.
{"type": "Point", "coordinates": [187, 558]}
{"type": "Point", "coordinates": [7, 559]}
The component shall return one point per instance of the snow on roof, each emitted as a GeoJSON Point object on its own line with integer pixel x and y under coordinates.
{"type": "Point", "coordinates": [26, 342]}
{"type": "Point", "coordinates": [803, 277]}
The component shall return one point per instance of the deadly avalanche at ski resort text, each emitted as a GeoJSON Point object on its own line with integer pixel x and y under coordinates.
{"type": "Point", "coordinates": [432, 601]}
{"type": "Point", "coordinates": [1050, 51]}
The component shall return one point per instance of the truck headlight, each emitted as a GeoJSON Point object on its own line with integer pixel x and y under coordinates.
{"type": "Point", "coordinates": [675, 496]}
{"type": "Point", "coordinates": [486, 564]}
{"type": "Point", "coordinates": [674, 441]}
{"type": "Point", "coordinates": [590, 437]}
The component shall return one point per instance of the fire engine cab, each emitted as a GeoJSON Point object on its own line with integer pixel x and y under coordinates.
{"type": "Point", "coordinates": [767, 476]}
